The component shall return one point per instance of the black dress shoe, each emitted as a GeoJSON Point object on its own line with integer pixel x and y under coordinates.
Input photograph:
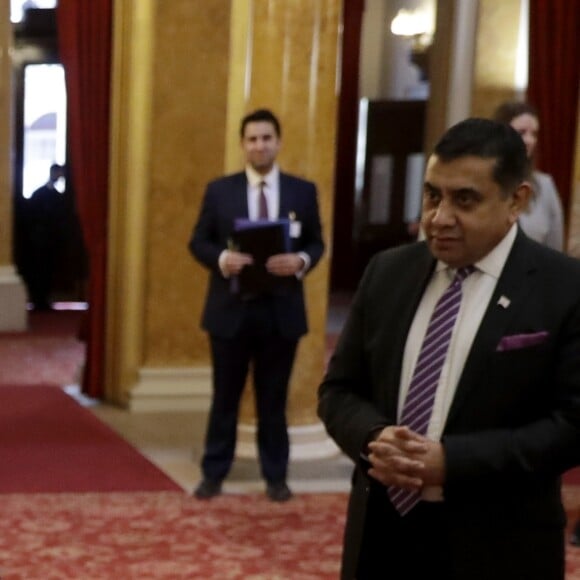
{"type": "Point", "coordinates": [278, 491]}
{"type": "Point", "coordinates": [208, 489]}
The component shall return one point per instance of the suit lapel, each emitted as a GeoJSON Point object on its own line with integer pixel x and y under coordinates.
{"type": "Point", "coordinates": [285, 205]}
{"type": "Point", "coordinates": [514, 284]}
{"type": "Point", "coordinates": [396, 332]}
{"type": "Point", "coordinates": [239, 202]}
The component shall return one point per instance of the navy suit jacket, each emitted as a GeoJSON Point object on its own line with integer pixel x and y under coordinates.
{"type": "Point", "coordinates": [514, 423]}
{"type": "Point", "coordinates": [225, 200]}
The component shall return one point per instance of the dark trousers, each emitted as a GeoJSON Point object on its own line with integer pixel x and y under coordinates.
{"type": "Point", "coordinates": [39, 272]}
{"type": "Point", "coordinates": [411, 548]}
{"type": "Point", "coordinates": [425, 545]}
{"type": "Point", "coordinates": [259, 346]}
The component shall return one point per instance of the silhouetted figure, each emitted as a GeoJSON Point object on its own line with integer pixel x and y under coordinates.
{"type": "Point", "coordinates": [45, 222]}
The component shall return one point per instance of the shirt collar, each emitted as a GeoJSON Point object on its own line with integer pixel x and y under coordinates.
{"type": "Point", "coordinates": [254, 178]}
{"type": "Point", "coordinates": [495, 260]}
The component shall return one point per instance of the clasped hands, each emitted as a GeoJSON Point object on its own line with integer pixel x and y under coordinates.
{"type": "Point", "coordinates": [278, 264]}
{"type": "Point", "coordinates": [403, 458]}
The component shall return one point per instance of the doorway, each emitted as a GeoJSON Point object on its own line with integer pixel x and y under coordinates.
{"type": "Point", "coordinates": [48, 247]}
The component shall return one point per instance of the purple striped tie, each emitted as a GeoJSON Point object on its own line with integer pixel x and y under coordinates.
{"type": "Point", "coordinates": [421, 395]}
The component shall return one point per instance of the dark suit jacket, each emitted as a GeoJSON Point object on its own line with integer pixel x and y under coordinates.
{"type": "Point", "coordinates": [514, 423]}
{"type": "Point", "coordinates": [226, 199]}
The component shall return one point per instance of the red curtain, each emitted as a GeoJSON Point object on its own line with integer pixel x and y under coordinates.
{"type": "Point", "coordinates": [553, 85]}
{"type": "Point", "coordinates": [343, 270]}
{"type": "Point", "coordinates": [84, 36]}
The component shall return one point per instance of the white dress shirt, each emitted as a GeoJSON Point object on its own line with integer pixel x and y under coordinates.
{"type": "Point", "coordinates": [477, 290]}
{"type": "Point", "coordinates": [271, 191]}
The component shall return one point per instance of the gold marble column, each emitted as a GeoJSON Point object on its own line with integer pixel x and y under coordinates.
{"type": "Point", "coordinates": [285, 57]}
{"type": "Point", "coordinates": [184, 73]}
{"type": "Point", "coordinates": [170, 82]}
{"type": "Point", "coordinates": [5, 133]}
{"type": "Point", "coordinates": [496, 55]}
{"type": "Point", "coordinates": [12, 292]}
{"type": "Point", "coordinates": [451, 64]}
{"type": "Point", "coordinates": [573, 244]}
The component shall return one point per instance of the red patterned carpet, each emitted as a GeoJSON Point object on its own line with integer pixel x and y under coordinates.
{"type": "Point", "coordinates": [48, 353]}
{"type": "Point", "coordinates": [170, 536]}
{"type": "Point", "coordinates": [74, 502]}
{"type": "Point", "coordinates": [79, 503]}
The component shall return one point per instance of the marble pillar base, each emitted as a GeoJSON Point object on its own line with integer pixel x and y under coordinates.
{"type": "Point", "coordinates": [307, 442]}
{"type": "Point", "coordinates": [171, 389]}
{"type": "Point", "coordinates": [189, 389]}
{"type": "Point", "coordinates": [13, 298]}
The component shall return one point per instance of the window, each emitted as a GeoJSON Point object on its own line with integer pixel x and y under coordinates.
{"type": "Point", "coordinates": [44, 139]}
{"type": "Point", "coordinates": [18, 7]}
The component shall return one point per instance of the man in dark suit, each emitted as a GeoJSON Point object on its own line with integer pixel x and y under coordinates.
{"type": "Point", "coordinates": [46, 223]}
{"type": "Point", "coordinates": [459, 454]}
{"type": "Point", "coordinates": [260, 329]}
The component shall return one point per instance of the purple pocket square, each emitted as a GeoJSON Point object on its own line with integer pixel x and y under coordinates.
{"type": "Point", "coordinates": [516, 341]}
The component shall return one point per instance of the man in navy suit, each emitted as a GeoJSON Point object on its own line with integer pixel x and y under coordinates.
{"type": "Point", "coordinates": [504, 419]}
{"type": "Point", "coordinates": [261, 329]}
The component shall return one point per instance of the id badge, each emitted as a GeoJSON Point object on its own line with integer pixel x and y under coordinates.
{"type": "Point", "coordinates": [295, 229]}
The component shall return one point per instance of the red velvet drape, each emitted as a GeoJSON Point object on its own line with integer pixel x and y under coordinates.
{"type": "Point", "coordinates": [553, 85]}
{"type": "Point", "coordinates": [84, 36]}
{"type": "Point", "coordinates": [343, 270]}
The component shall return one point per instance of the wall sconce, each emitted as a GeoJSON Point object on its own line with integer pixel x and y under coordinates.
{"type": "Point", "coordinates": [418, 26]}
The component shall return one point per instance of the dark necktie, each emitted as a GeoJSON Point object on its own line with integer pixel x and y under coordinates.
{"type": "Point", "coordinates": [419, 401]}
{"type": "Point", "coordinates": [262, 202]}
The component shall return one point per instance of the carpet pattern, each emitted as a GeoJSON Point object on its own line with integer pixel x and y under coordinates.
{"type": "Point", "coordinates": [170, 536]}
{"type": "Point", "coordinates": [49, 353]}
{"type": "Point", "coordinates": [55, 522]}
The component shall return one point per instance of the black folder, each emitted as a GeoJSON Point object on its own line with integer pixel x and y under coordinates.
{"type": "Point", "coordinates": [261, 239]}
